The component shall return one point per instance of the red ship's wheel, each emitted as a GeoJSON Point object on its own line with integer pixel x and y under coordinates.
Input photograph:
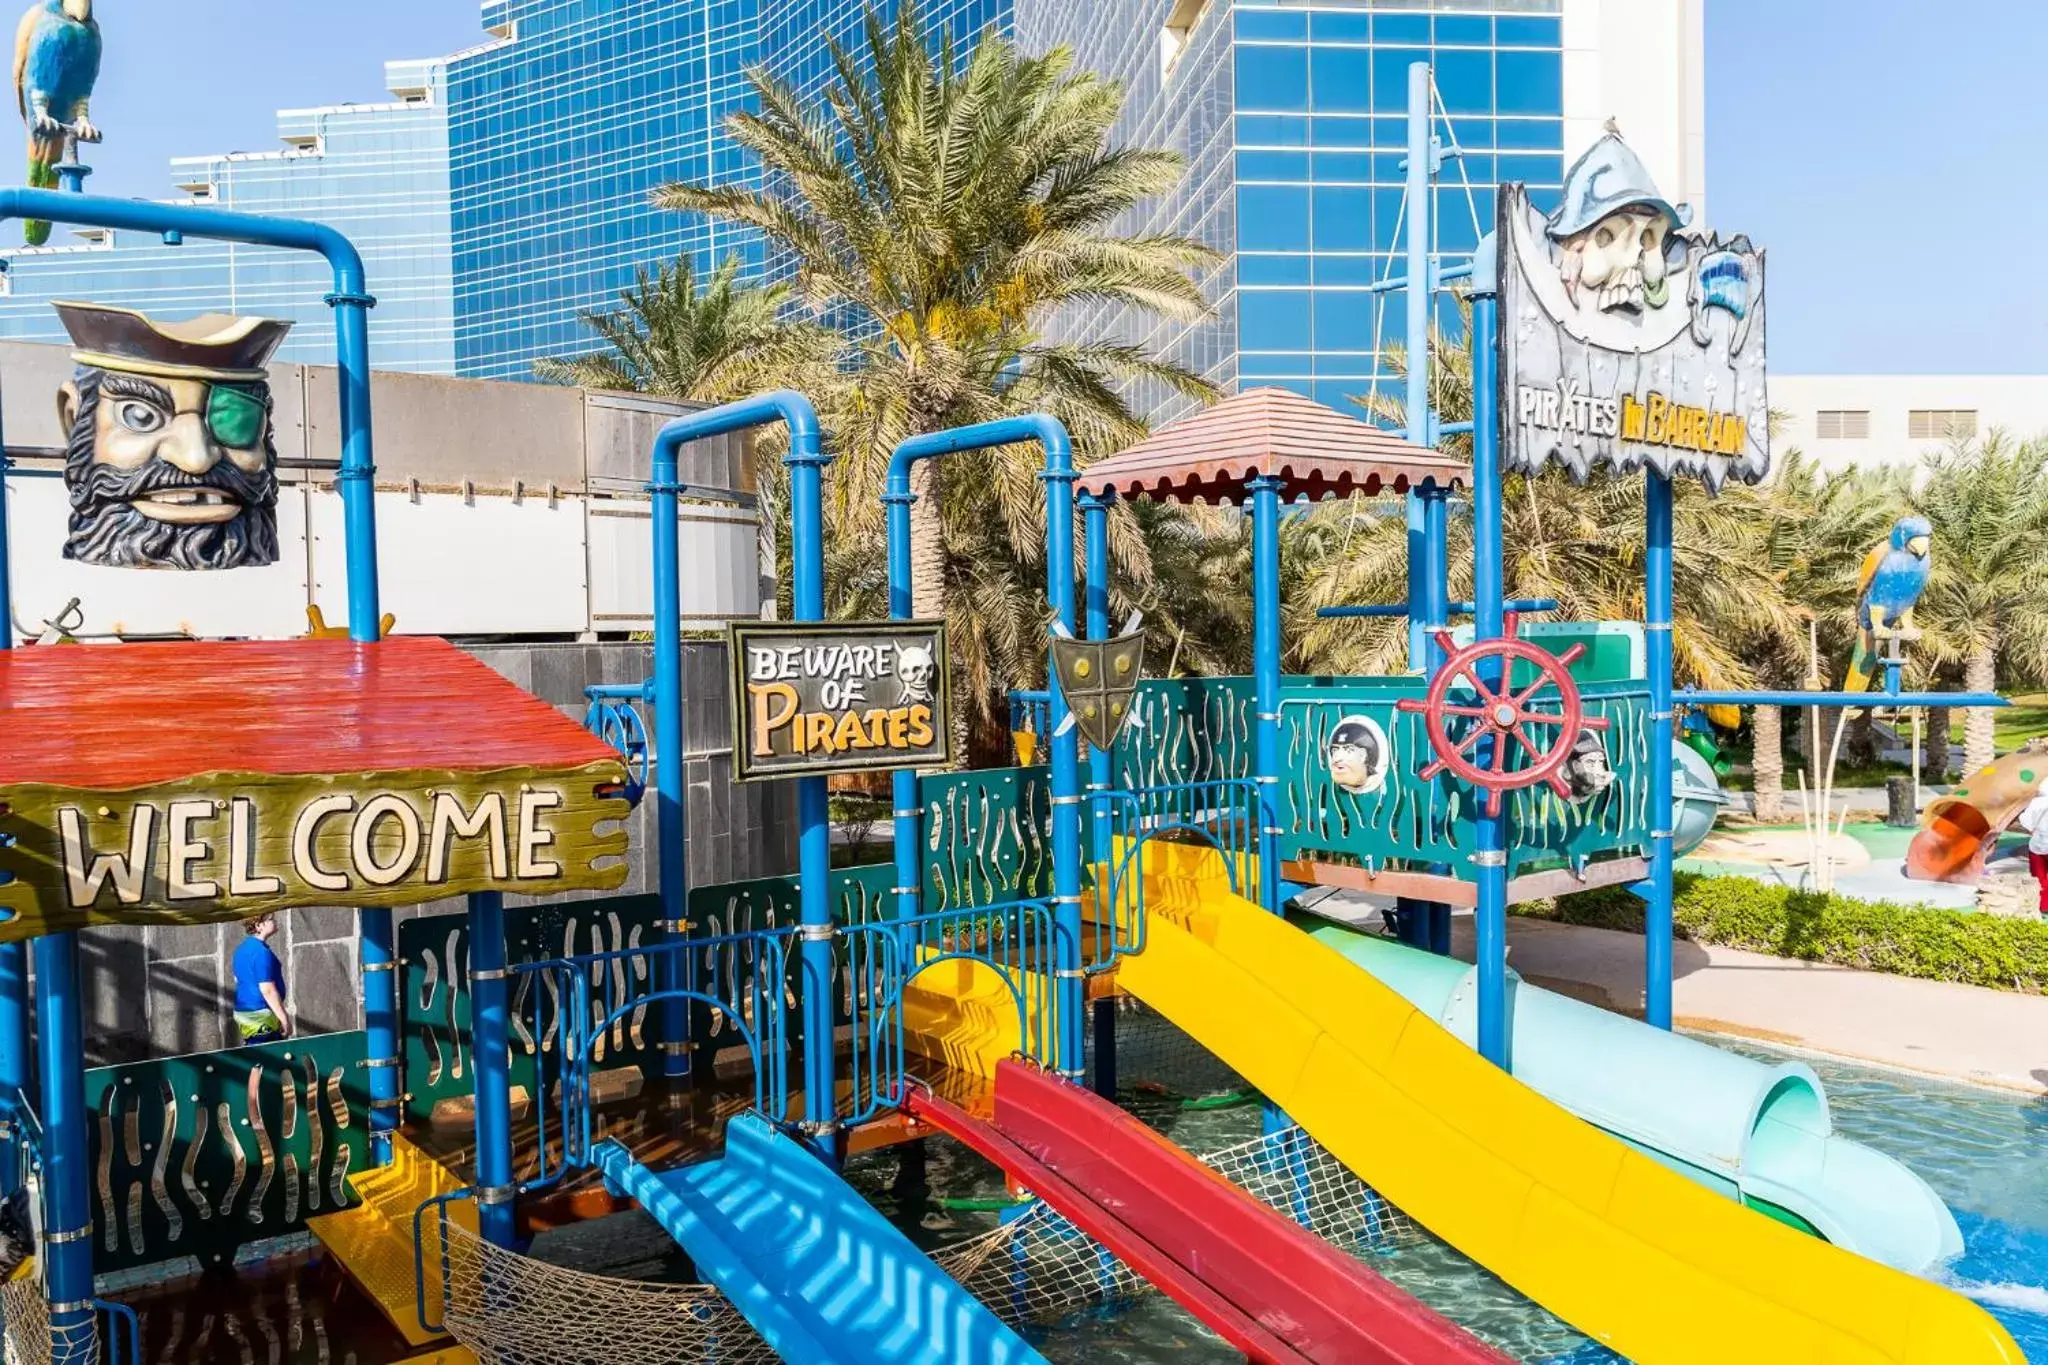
{"type": "Point", "coordinates": [1544, 728]}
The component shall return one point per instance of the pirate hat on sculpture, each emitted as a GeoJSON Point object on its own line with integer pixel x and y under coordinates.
{"type": "Point", "coordinates": [1608, 178]}
{"type": "Point", "coordinates": [215, 346]}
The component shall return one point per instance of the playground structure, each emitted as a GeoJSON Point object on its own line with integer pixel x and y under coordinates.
{"type": "Point", "coordinates": [1670, 1201]}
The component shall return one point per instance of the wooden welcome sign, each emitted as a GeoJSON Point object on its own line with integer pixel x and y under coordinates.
{"type": "Point", "coordinates": [849, 696]}
{"type": "Point", "coordinates": [292, 815]}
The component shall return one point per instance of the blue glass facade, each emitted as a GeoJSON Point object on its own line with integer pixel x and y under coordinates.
{"type": "Point", "coordinates": [559, 130]}
{"type": "Point", "coordinates": [378, 172]}
{"type": "Point", "coordinates": [506, 189]}
{"type": "Point", "coordinates": [1292, 119]}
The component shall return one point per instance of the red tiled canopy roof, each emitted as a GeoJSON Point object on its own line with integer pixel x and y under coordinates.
{"type": "Point", "coordinates": [1317, 450]}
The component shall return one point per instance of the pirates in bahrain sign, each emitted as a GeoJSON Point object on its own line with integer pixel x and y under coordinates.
{"type": "Point", "coordinates": [1099, 678]}
{"type": "Point", "coordinates": [170, 463]}
{"type": "Point", "coordinates": [813, 697]}
{"type": "Point", "coordinates": [1626, 340]}
{"type": "Point", "coordinates": [230, 845]}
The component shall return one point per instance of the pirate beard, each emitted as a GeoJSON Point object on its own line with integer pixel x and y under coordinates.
{"type": "Point", "coordinates": [107, 530]}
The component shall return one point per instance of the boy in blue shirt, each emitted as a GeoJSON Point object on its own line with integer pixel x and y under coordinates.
{"type": "Point", "coordinates": [259, 985]}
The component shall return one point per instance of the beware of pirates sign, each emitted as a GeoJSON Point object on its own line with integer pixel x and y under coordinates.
{"type": "Point", "coordinates": [811, 698]}
{"type": "Point", "coordinates": [1625, 340]}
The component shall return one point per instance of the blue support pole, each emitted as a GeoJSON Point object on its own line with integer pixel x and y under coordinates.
{"type": "Point", "coordinates": [1434, 919]}
{"type": "Point", "coordinates": [490, 1003]}
{"type": "Point", "coordinates": [1095, 554]}
{"type": "Point", "coordinates": [14, 984]}
{"type": "Point", "coordinates": [1265, 491]}
{"type": "Point", "coordinates": [1490, 857]}
{"type": "Point", "coordinates": [378, 961]}
{"type": "Point", "coordinates": [1657, 651]}
{"type": "Point", "coordinates": [1421, 169]}
{"type": "Point", "coordinates": [906, 799]}
{"type": "Point", "coordinates": [1058, 478]}
{"type": "Point", "coordinates": [805, 461]}
{"type": "Point", "coordinates": [67, 1208]}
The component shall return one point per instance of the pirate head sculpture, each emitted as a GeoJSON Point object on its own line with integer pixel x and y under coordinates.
{"type": "Point", "coordinates": [170, 463]}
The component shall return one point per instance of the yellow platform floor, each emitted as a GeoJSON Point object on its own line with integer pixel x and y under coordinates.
{"type": "Point", "coordinates": [373, 1241]}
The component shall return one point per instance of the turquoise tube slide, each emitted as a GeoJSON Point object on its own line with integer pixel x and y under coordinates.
{"type": "Point", "coordinates": [1757, 1132]}
{"type": "Point", "coordinates": [821, 1276]}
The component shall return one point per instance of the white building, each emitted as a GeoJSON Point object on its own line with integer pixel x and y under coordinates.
{"type": "Point", "coordinates": [1872, 419]}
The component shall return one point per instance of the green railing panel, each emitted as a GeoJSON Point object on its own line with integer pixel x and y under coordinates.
{"type": "Point", "coordinates": [987, 837]}
{"type": "Point", "coordinates": [199, 1155]}
{"type": "Point", "coordinates": [433, 952]}
{"type": "Point", "coordinates": [859, 895]}
{"type": "Point", "coordinates": [1412, 821]}
{"type": "Point", "coordinates": [1187, 730]}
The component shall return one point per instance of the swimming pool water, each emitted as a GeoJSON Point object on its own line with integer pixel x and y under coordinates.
{"type": "Point", "coordinates": [1984, 1151]}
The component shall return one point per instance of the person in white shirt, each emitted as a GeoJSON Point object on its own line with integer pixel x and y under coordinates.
{"type": "Point", "coordinates": [2034, 820]}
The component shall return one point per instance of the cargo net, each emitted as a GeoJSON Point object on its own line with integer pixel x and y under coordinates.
{"type": "Point", "coordinates": [1035, 1271]}
{"type": "Point", "coordinates": [25, 1323]}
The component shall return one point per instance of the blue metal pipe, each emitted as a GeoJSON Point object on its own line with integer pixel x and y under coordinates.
{"type": "Point", "coordinates": [378, 958]}
{"type": "Point", "coordinates": [1657, 639]}
{"type": "Point", "coordinates": [814, 838]}
{"type": "Point", "coordinates": [1433, 919]}
{"type": "Point", "coordinates": [1095, 541]}
{"type": "Point", "coordinates": [1515, 604]}
{"type": "Point", "coordinates": [1695, 697]}
{"type": "Point", "coordinates": [14, 983]}
{"type": "Point", "coordinates": [1420, 176]}
{"type": "Point", "coordinates": [491, 1068]}
{"type": "Point", "coordinates": [1490, 856]}
{"type": "Point", "coordinates": [1059, 590]}
{"type": "Point", "coordinates": [1265, 491]}
{"type": "Point", "coordinates": [67, 1207]}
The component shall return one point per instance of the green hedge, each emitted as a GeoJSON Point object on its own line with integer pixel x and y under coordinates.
{"type": "Point", "coordinates": [1906, 940]}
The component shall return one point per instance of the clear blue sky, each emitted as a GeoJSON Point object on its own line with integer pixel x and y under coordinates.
{"type": "Point", "coordinates": [1864, 143]}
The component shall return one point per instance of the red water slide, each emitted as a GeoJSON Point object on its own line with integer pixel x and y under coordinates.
{"type": "Point", "coordinates": [1269, 1287]}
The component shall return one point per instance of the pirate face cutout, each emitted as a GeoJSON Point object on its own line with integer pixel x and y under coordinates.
{"type": "Point", "coordinates": [170, 462]}
{"type": "Point", "coordinates": [1357, 755]}
{"type": "Point", "coordinates": [1587, 771]}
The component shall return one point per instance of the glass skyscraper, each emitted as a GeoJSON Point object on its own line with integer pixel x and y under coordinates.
{"type": "Point", "coordinates": [1292, 119]}
{"type": "Point", "coordinates": [505, 189]}
{"type": "Point", "coordinates": [377, 172]}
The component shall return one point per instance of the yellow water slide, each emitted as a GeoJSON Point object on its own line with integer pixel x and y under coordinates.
{"type": "Point", "coordinates": [1635, 1255]}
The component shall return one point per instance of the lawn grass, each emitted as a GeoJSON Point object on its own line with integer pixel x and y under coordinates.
{"type": "Point", "coordinates": [2025, 719]}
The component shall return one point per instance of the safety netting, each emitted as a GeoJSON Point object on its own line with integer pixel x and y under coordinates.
{"type": "Point", "coordinates": [1034, 1270]}
{"type": "Point", "coordinates": [25, 1322]}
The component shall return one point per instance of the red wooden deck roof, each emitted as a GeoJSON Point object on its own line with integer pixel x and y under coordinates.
{"type": "Point", "coordinates": [112, 717]}
{"type": "Point", "coordinates": [1317, 450]}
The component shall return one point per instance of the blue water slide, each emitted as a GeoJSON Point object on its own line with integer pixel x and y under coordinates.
{"type": "Point", "coordinates": [821, 1276]}
{"type": "Point", "coordinates": [1759, 1133]}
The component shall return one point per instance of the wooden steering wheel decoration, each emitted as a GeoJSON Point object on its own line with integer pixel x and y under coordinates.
{"type": "Point", "coordinates": [1510, 716]}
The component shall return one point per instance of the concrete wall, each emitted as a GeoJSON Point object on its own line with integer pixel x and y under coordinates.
{"type": "Point", "coordinates": [2016, 404]}
{"type": "Point", "coordinates": [167, 989]}
{"type": "Point", "coordinates": [504, 510]}
{"type": "Point", "coordinates": [1641, 63]}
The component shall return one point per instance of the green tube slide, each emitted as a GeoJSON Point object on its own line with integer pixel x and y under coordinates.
{"type": "Point", "coordinates": [1756, 1132]}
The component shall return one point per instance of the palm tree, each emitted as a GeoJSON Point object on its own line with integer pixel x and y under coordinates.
{"type": "Point", "coordinates": [720, 341]}
{"type": "Point", "coordinates": [1818, 528]}
{"type": "Point", "coordinates": [944, 210]}
{"type": "Point", "coordinates": [1986, 605]}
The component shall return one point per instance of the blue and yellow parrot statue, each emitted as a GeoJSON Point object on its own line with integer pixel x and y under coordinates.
{"type": "Point", "coordinates": [1894, 576]}
{"type": "Point", "coordinates": [56, 62]}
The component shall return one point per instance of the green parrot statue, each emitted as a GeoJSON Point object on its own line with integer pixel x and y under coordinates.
{"type": "Point", "coordinates": [56, 63]}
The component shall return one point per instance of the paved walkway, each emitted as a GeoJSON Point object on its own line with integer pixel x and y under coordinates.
{"type": "Point", "coordinates": [1966, 1032]}
{"type": "Point", "coordinates": [1961, 1032]}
